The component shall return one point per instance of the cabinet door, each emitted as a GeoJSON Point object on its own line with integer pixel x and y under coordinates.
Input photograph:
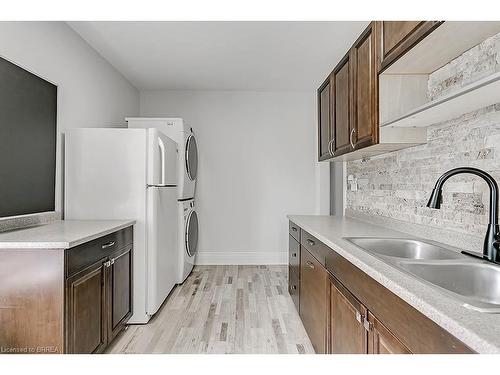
{"type": "Point", "coordinates": [397, 37]}
{"type": "Point", "coordinates": [365, 89]}
{"type": "Point", "coordinates": [324, 121]}
{"type": "Point", "coordinates": [382, 341]}
{"type": "Point", "coordinates": [347, 333]}
{"type": "Point", "coordinates": [86, 319]}
{"type": "Point", "coordinates": [341, 107]}
{"type": "Point", "coordinates": [293, 287]}
{"type": "Point", "coordinates": [293, 254]}
{"type": "Point", "coordinates": [120, 292]}
{"type": "Point", "coordinates": [313, 299]}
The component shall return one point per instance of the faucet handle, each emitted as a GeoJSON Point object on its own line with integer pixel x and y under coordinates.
{"type": "Point", "coordinates": [496, 244]}
{"type": "Point", "coordinates": [496, 252]}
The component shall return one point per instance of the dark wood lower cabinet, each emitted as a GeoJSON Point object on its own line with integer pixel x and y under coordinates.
{"type": "Point", "coordinates": [98, 303]}
{"type": "Point", "coordinates": [68, 300]}
{"type": "Point", "coordinates": [120, 298]}
{"type": "Point", "coordinates": [382, 341]}
{"type": "Point", "coordinates": [86, 306]}
{"type": "Point", "coordinates": [313, 299]}
{"type": "Point", "coordinates": [347, 334]}
{"type": "Point", "coordinates": [344, 310]}
{"type": "Point", "coordinates": [355, 330]}
{"type": "Point", "coordinates": [416, 331]}
{"type": "Point", "coordinates": [294, 287]}
{"type": "Point", "coordinates": [294, 264]}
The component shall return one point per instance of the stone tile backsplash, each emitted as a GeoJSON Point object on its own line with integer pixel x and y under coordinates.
{"type": "Point", "coordinates": [397, 185]}
{"type": "Point", "coordinates": [478, 62]}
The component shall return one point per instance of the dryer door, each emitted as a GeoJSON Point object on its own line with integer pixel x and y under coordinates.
{"type": "Point", "coordinates": [191, 157]}
{"type": "Point", "coordinates": [192, 233]}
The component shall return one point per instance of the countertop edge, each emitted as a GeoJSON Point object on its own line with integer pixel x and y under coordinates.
{"type": "Point", "coordinates": [451, 325]}
{"type": "Point", "coordinates": [101, 234]}
{"type": "Point", "coordinates": [63, 245]}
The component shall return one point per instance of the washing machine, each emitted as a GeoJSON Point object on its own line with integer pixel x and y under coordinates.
{"type": "Point", "coordinates": [188, 237]}
{"type": "Point", "coordinates": [178, 130]}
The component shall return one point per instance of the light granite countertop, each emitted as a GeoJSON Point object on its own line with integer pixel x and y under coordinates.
{"type": "Point", "coordinates": [60, 234]}
{"type": "Point", "coordinates": [480, 331]}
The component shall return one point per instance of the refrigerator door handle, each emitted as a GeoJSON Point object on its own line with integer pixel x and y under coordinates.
{"type": "Point", "coordinates": [160, 185]}
{"type": "Point", "coordinates": [162, 160]}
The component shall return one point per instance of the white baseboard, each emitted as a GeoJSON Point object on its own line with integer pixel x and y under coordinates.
{"type": "Point", "coordinates": [207, 258]}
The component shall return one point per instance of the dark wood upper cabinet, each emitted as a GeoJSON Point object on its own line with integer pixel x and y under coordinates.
{"type": "Point", "coordinates": [342, 107]}
{"type": "Point", "coordinates": [313, 300]}
{"type": "Point", "coordinates": [86, 310]}
{"type": "Point", "coordinates": [382, 341]}
{"type": "Point", "coordinates": [324, 121]}
{"type": "Point", "coordinates": [353, 96]}
{"type": "Point", "coordinates": [352, 121]}
{"type": "Point", "coordinates": [348, 334]}
{"type": "Point", "coordinates": [365, 89]}
{"type": "Point", "coordinates": [397, 37]}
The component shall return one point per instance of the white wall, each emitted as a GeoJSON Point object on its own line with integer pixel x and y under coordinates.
{"type": "Point", "coordinates": [257, 163]}
{"type": "Point", "coordinates": [91, 93]}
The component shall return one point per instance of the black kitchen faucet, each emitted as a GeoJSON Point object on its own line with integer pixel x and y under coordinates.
{"type": "Point", "coordinates": [492, 240]}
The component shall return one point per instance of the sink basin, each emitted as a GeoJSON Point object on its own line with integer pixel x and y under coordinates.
{"type": "Point", "coordinates": [404, 248]}
{"type": "Point", "coordinates": [475, 283]}
{"type": "Point", "coordinates": [478, 283]}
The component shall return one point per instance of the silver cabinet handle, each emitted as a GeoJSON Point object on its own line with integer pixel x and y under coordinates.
{"type": "Point", "coordinates": [107, 264]}
{"type": "Point", "coordinates": [310, 242]}
{"type": "Point", "coordinates": [359, 317]}
{"type": "Point", "coordinates": [294, 229]}
{"type": "Point", "coordinates": [310, 264]}
{"type": "Point", "coordinates": [294, 287]}
{"type": "Point", "coordinates": [331, 151]}
{"type": "Point", "coordinates": [350, 137]}
{"type": "Point", "coordinates": [367, 324]}
{"type": "Point", "coordinates": [106, 245]}
{"type": "Point", "coordinates": [294, 255]}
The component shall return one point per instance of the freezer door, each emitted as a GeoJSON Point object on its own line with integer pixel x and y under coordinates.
{"type": "Point", "coordinates": [170, 159]}
{"type": "Point", "coordinates": [162, 159]}
{"type": "Point", "coordinates": [162, 258]}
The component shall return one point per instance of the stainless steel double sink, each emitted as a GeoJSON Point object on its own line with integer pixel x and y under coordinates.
{"type": "Point", "coordinates": [473, 282]}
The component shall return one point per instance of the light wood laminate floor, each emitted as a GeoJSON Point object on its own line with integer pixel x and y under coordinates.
{"type": "Point", "coordinates": [223, 309]}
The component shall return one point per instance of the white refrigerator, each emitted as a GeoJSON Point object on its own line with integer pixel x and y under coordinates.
{"type": "Point", "coordinates": [129, 174]}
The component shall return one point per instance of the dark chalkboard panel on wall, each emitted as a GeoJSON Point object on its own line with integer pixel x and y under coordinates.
{"type": "Point", "coordinates": [28, 112]}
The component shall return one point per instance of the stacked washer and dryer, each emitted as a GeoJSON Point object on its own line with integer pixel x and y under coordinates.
{"type": "Point", "coordinates": [182, 134]}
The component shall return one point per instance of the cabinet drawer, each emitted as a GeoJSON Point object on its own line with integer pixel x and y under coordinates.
{"type": "Point", "coordinates": [294, 231]}
{"type": "Point", "coordinates": [317, 248]}
{"type": "Point", "coordinates": [293, 254]}
{"type": "Point", "coordinates": [79, 257]}
{"type": "Point", "coordinates": [293, 286]}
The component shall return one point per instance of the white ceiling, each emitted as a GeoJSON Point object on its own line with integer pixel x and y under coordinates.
{"type": "Point", "coordinates": [222, 55]}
